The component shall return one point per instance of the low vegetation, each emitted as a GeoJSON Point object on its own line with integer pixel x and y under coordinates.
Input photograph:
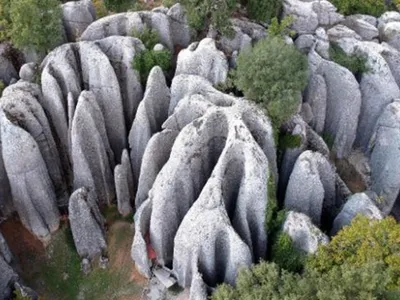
{"type": "Point", "coordinates": [264, 11]}
{"type": "Point", "coordinates": [144, 61]}
{"type": "Point", "coordinates": [101, 9]}
{"type": "Point", "coordinates": [273, 74]}
{"type": "Point", "coordinates": [2, 87]}
{"type": "Point", "coordinates": [26, 30]}
{"type": "Point", "coordinates": [148, 36]}
{"type": "Point", "coordinates": [119, 5]}
{"type": "Point", "coordinates": [368, 7]}
{"type": "Point", "coordinates": [356, 63]}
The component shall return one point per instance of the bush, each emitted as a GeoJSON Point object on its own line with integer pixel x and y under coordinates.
{"type": "Point", "coordinates": [368, 7]}
{"type": "Point", "coordinates": [356, 63]}
{"type": "Point", "coordinates": [281, 28]}
{"type": "Point", "coordinates": [35, 24]}
{"type": "Point", "coordinates": [119, 5]}
{"type": "Point", "coordinates": [202, 13]}
{"type": "Point", "coordinates": [267, 281]}
{"type": "Point", "coordinates": [264, 10]}
{"type": "Point", "coordinates": [2, 87]}
{"type": "Point", "coordinates": [285, 255]}
{"type": "Point", "coordinates": [101, 10]}
{"type": "Point", "coordinates": [363, 242]}
{"type": "Point", "coordinates": [5, 20]}
{"type": "Point", "coordinates": [273, 74]}
{"type": "Point", "coordinates": [144, 61]}
{"type": "Point", "coordinates": [148, 36]}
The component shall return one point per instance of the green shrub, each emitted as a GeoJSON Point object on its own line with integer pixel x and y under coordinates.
{"type": "Point", "coordinates": [268, 281]}
{"type": "Point", "coordinates": [368, 7]}
{"type": "Point", "coordinates": [264, 10]}
{"type": "Point", "coordinates": [285, 255]}
{"type": "Point", "coordinates": [356, 63]}
{"type": "Point", "coordinates": [273, 74]}
{"type": "Point", "coordinates": [2, 87]}
{"type": "Point", "coordinates": [289, 141]}
{"type": "Point", "coordinates": [168, 3]}
{"type": "Point", "coordinates": [119, 5]}
{"type": "Point", "coordinates": [101, 10]}
{"type": "Point", "coordinates": [202, 13]}
{"type": "Point", "coordinates": [35, 24]}
{"type": "Point", "coordinates": [144, 61]}
{"type": "Point", "coordinates": [281, 28]}
{"type": "Point", "coordinates": [362, 242]}
{"type": "Point", "coordinates": [148, 36]}
{"type": "Point", "coordinates": [5, 19]}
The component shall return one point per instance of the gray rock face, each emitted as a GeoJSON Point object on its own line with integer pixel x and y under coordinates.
{"type": "Point", "coordinates": [77, 16]}
{"type": "Point", "coordinates": [195, 195]}
{"type": "Point", "coordinates": [121, 52]}
{"type": "Point", "coordinates": [385, 158]}
{"type": "Point", "coordinates": [204, 60]}
{"type": "Point", "coordinates": [309, 15]}
{"type": "Point", "coordinates": [92, 157]}
{"type": "Point", "coordinates": [357, 204]}
{"type": "Point", "coordinates": [170, 25]}
{"type": "Point", "coordinates": [24, 107]}
{"type": "Point", "coordinates": [99, 77]}
{"type": "Point", "coordinates": [87, 231]}
{"type": "Point", "coordinates": [123, 179]}
{"type": "Point", "coordinates": [305, 42]}
{"type": "Point", "coordinates": [343, 103]}
{"type": "Point", "coordinates": [28, 72]}
{"type": "Point", "coordinates": [311, 187]}
{"type": "Point", "coordinates": [7, 69]}
{"type": "Point", "coordinates": [5, 251]}
{"type": "Point", "coordinates": [340, 31]}
{"type": "Point", "coordinates": [316, 97]}
{"type": "Point", "coordinates": [362, 26]}
{"type": "Point", "coordinates": [31, 186]}
{"type": "Point", "coordinates": [304, 234]}
{"type": "Point", "coordinates": [151, 114]}
{"type": "Point", "coordinates": [7, 279]}
{"type": "Point", "coordinates": [390, 33]}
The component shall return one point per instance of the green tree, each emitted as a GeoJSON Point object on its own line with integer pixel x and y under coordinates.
{"type": "Point", "coordinates": [273, 74]}
{"type": "Point", "coordinates": [5, 21]}
{"type": "Point", "coordinates": [144, 61]}
{"type": "Point", "coordinates": [363, 241]}
{"type": "Point", "coordinates": [203, 13]}
{"type": "Point", "coordinates": [268, 281]}
{"type": "Point", "coordinates": [35, 24]}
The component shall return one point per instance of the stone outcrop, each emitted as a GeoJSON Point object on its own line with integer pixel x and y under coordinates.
{"type": "Point", "coordinates": [33, 194]}
{"type": "Point", "coordinates": [87, 229]}
{"type": "Point", "coordinates": [77, 16]}
{"type": "Point", "coordinates": [385, 158]}
{"type": "Point", "coordinates": [169, 24]}
{"type": "Point", "coordinates": [305, 235]}
{"type": "Point", "coordinates": [358, 203]}
{"type": "Point", "coordinates": [203, 59]}
{"type": "Point", "coordinates": [124, 186]}
{"type": "Point", "coordinates": [309, 15]}
{"type": "Point", "coordinates": [151, 114]}
{"type": "Point", "coordinates": [311, 188]}
{"type": "Point", "coordinates": [335, 99]}
{"type": "Point", "coordinates": [92, 157]}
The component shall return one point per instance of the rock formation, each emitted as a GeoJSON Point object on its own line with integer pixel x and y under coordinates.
{"type": "Point", "coordinates": [77, 16]}
{"type": "Point", "coordinates": [86, 224]}
{"type": "Point", "coordinates": [305, 235]}
{"type": "Point", "coordinates": [124, 186]}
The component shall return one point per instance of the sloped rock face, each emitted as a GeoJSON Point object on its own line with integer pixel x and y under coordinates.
{"type": "Point", "coordinates": [385, 158]}
{"type": "Point", "coordinates": [92, 157]}
{"type": "Point", "coordinates": [358, 203]}
{"type": "Point", "coordinates": [86, 227]}
{"type": "Point", "coordinates": [7, 69]}
{"type": "Point", "coordinates": [170, 26]}
{"type": "Point", "coordinates": [7, 278]}
{"type": "Point", "coordinates": [124, 186]}
{"type": "Point", "coordinates": [31, 187]}
{"type": "Point", "coordinates": [311, 189]}
{"type": "Point", "coordinates": [335, 99]}
{"type": "Point", "coordinates": [304, 234]}
{"type": "Point", "coordinates": [203, 59]}
{"type": "Point", "coordinates": [208, 191]}
{"type": "Point", "coordinates": [151, 114]}
{"type": "Point", "coordinates": [309, 15]}
{"type": "Point", "coordinates": [77, 16]}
